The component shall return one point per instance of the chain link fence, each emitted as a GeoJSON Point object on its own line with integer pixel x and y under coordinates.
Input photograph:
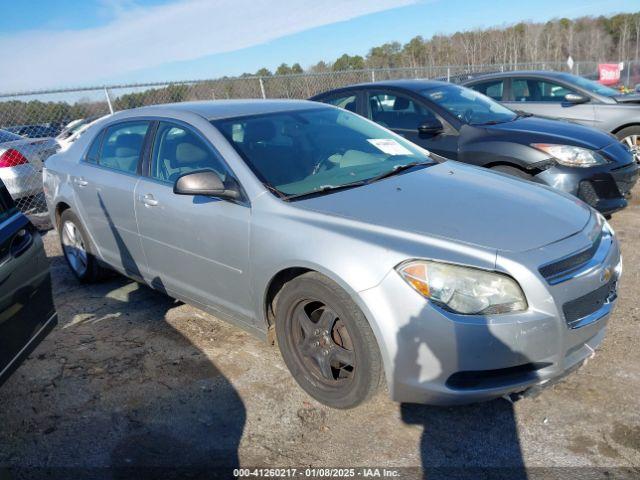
{"type": "Point", "coordinates": [34, 125]}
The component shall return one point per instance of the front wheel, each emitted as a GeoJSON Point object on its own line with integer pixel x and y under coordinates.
{"type": "Point", "coordinates": [326, 342]}
{"type": "Point", "coordinates": [630, 137]}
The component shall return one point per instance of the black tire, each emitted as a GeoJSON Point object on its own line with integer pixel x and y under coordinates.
{"type": "Point", "coordinates": [630, 136]}
{"type": "Point", "coordinates": [93, 271]}
{"type": "Point", "coordinates": [513, 171]}
{"type": "Point", "coordinates": [349, 339]}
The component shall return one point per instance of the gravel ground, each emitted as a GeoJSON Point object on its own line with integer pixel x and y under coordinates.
{"type": "Point", "coordinates": [132, 378]}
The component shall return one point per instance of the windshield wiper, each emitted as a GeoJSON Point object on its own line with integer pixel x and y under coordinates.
{"type": "Point", "coordinates": [325, 189]}
{"type": "Point", "coordinates": [397, 169]}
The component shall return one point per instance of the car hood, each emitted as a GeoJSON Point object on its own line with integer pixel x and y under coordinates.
{"type": "Point", "coordinates": [544, 130]}
{"type": "Point", "coordinates": [460, 203]}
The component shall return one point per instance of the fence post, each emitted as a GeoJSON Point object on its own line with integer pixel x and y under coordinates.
{"type": "Point", "coordinates": [373, 75]}
{"type": "Point", "coordinates": [448, 74]}
{"type": "Point", "coordinates": [106, 94]}
{"type": "Point", "coordinates": [262, 88]}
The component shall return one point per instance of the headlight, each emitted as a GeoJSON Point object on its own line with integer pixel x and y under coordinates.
{"type": "Point", "coordinates": [464, 290]}
{"type": "Point", "coordinates": [571, 156]}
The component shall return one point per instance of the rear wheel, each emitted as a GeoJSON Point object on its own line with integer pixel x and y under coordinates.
{"type": "Point", "coordinates": [630, 137]}
{"type": "Point", "coordinates": [513, 171]}
{"type": "Point", "coordinates": [327, 342]}
{"type": "Point", "coordinates": [77, 249]}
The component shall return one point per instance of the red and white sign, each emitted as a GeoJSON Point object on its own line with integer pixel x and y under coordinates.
{"type": "Point", "coordinates": [609, 73]}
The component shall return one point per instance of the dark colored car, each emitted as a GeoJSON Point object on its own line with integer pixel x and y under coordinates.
{"type": "Point", "coordinates": [459, 123]}
{"type": "Point", "coordinates": [27, 313]}
{"type": "Point", "coordinates": [571, 97]}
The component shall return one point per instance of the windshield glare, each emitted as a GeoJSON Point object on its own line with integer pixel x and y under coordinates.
{"type": "Point", "coordinates": [590, 85]}
{"type": "Point", "coordinates": [469, 106]}
{"type": "Point", "coordinates": [304, 151]}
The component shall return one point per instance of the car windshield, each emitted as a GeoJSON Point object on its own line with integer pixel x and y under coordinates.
{"type": "Point", "coordinates": [469, 106]}
{"type": "Point", "coordinates": [303, 152]}
{"type": "Point", "coordinates": [590, 85]}
{"type": "Point", "coordinates": [8, 136]}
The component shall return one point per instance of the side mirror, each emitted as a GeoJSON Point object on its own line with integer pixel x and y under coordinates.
{"type": "Point", "coordinates": [575, 98]}
{"type": "Point", "coordinates": [206, 182]}
{"type": "Point", "coordinates": [431, 126]}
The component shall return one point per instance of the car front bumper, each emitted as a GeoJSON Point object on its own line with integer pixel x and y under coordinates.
{"type": "Point", "coordinates": [606, 188]}
{"type": "Point", "coordinates": [436, 357]}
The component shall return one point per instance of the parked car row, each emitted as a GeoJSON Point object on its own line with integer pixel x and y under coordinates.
{"type": "Point", "coordinates": [461, 124]}
{"type": "Point", "coordinates": [360, 235]}
{"type": "Point", "coordinates": [363, 254]}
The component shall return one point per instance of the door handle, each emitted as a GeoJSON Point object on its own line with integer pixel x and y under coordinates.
{"type": "Point", "coordinates": [81, 182]}
{"type": "Point", "coordinates": [148, 200]}
{"type": "Point", "coordinates": [21, 243]}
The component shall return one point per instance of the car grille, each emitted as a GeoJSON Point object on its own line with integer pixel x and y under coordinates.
{"type": "Point", "coordinates": [552, 271]}
{"type": "Point", "coordinates": [582, 307]}
{"type": "Point", "coordinates": [587, 193]}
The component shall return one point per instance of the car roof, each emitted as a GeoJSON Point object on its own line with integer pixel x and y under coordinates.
{"type": "Point", "coordinates": [415, 85]}
{"type": "Point", "coordinates": [518, 73]}
{"type": "Point", "coordinates": [217, 109]}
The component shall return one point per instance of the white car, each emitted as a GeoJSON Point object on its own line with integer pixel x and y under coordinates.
{"type": "Point", "coordinates": [21, 161]}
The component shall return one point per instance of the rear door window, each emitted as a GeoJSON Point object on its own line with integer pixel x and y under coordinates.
{"type": "Point", "coordinates": [122, 146]}
{"type": "Point", "coordinates": [493, 89]}
{"type": "Point", "coordinates": [348, 102]}
{"type": "Point", "coordinates": [94, 150]}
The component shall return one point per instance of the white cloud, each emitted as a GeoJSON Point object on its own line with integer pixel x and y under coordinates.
{"type": "Point", "coordinates": [141, 38]}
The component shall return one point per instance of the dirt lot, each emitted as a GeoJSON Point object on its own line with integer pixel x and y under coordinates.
{"type": "Point", "coordinates": [132, 378]}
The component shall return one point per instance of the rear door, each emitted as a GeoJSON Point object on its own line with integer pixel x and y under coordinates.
{"type": "Point", "coordinates": [27, 312]}
{"type": "Point", "coordinates": [404, 114]}
{"type": "Point", "coordinates": [545, 98]}
{"type": "Point", "coordinates": [104, 184]}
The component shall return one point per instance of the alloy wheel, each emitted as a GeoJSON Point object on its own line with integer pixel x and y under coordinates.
{"type": "Point", "coordinates": [74, 248]}
{"type": "Point", "coordinates": [633, 143]}
{"type": "Point", "coordinates": [322, 343]}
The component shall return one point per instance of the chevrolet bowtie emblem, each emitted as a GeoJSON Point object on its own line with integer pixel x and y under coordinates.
{"type": "Point", "coordinates": [606, 275]}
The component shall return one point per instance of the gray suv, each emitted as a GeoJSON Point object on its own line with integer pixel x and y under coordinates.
{"type": "Point", "coordinates": [360, 253]}
{"type": "Point", "coordinates": [562, 95]}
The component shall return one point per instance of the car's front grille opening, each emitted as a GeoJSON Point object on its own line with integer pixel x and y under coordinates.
{"type": "Point", "coordinates": [582, 307]}
{"type": "Point", "coordinates": [569, 264]}
{"type": "Point", "coordinates": [474, 379]}
{"type": "Point", "coordinates": [587, 193]}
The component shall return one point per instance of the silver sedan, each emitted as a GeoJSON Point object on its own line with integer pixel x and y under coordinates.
{"type": "Point", "coordinates": [364, 256]}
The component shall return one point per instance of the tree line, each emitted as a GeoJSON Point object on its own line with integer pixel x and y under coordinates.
{"type": "Point", "coordinates": [614, 38]}
{"type": "Point", "coordinates": [584, 39]}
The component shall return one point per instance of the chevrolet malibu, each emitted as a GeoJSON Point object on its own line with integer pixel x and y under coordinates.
{"type": "Point", "coordinates": [362, 256]}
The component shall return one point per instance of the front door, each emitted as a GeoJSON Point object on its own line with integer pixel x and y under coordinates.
{"type": "Point", "coordinates": [546, 99]}
{"type": "Point", "coordinates": [196, 247]}
{"type": "Point", "coordinates": [404, 115]}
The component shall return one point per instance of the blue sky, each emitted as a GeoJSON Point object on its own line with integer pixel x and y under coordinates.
{"type": "Point", "coordinates": [66, 43]}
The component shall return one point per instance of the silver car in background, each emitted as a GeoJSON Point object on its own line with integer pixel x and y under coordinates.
{"type": "Point", "coordinates": [566, 96]}
{"type": "Point", "coordinates": [21, 161]}
{"type": "Point", "coordinates": [363, 256]}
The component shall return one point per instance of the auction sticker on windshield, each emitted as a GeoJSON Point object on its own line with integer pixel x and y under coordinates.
{"type": "Point", "coordinates": [389, 146]}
